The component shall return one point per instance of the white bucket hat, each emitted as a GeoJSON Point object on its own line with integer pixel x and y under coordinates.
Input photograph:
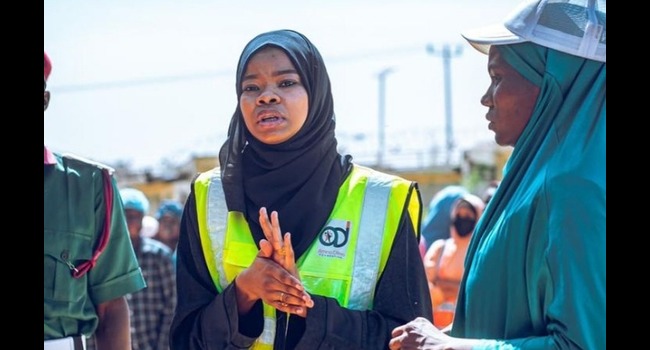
{"type": "Point", "coordinates": [576, 27]}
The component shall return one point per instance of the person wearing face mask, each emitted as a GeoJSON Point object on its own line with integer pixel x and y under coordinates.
{"type": "Point", "coordinates": [444, 260]}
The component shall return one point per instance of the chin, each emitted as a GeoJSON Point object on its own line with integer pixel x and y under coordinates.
{"type": "Point", "coordinates": [269, 139]}
{"type": "Point", "coordinates": [500, 141]}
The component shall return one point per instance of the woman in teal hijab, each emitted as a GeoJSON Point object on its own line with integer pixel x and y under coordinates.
{"type": "Point", "coordinates": [535, 271]}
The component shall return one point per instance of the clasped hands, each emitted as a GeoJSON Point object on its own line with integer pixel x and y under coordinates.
{"type": "Point", "coordinates": [273, 276]}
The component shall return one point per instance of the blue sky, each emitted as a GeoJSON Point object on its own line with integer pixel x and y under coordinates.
{"type": "Point", "coordinates": [152, 81]}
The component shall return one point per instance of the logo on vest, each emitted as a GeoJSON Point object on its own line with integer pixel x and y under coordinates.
{"type": "Point", "coordinates": [333, 239]}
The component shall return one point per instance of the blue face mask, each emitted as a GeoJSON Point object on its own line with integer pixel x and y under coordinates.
{"type": "Point", "coordinates": [464, 226]}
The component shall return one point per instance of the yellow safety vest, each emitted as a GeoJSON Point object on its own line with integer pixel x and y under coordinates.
{"type": "Point", "coordinates": [368, 210]}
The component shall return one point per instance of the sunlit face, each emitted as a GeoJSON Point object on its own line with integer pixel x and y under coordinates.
{"type": "Point", "coordinates": [133, 222]}
{"type": "Point", "coordinates": [274, 102]}
{"type": "Point", "coordinates": [464, 218]}
{"type": "Point", "coordinates": [463, 210]}
{"type": "Point", "coordinates": [169, 230]}
{"type": "Point", "coordinates": [511, 99]}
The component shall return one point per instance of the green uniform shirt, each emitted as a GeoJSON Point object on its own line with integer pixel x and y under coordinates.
{"type": "Point", "coordinates": [74, 212]}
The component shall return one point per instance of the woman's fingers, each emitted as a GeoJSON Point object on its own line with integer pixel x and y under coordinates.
{"type": "Point", "coordinates": [282, 251]}
{"type": "Point", "coordinates": [285, 288]}
{"type": "Point", "coordinates": [287, 243]}
{"type": "Point", "coordinates": [266, 250]}
{"type": "Point", "coordinates": [270, 226]}
{"type": "Point", "coordinates": [267, 228]}
{"type": "Point", "coordinates": [398, 331]}
{"type": "Point", "coordinates": [292, 304]}
{"type": "Point", "coordinates": [289, 296]}
{"type": "Point", "coordinates": [396, 342]}
{"type": "Point", "coordinates": [289, 258]}
{"type": "Point", "coordinates": [265, 276]}
{"type": "Point", "coordinates": [275, 226]}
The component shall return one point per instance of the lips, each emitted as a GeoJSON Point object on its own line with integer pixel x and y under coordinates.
{"type": "Point", "coordinates": [269, 119]}
{"type": "Point", "coordinates": [490, 122]}
{"type": "Point", "coordinates": [269, 116]}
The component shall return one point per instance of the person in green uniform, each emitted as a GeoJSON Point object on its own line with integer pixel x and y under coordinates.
{"type": "Point", "coordinates": [535, 271]}
{"type": "Point", "coordinates": [89, 264]}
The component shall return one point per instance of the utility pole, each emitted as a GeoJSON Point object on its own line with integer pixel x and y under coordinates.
{"type": "Point", "coordinates": [382, 116]}
{"type": "Point", "coordinates": [447, 55]}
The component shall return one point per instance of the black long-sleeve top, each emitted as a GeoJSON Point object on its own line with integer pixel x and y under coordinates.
{"type": "Point", "coordinates": [207, 319]}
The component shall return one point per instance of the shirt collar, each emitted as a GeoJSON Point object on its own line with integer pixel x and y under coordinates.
{"type": "Point", "coordinates": [48, 157]}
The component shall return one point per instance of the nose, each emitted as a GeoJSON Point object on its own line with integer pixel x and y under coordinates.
{"type": "Point", "coordinates": [486, 99]}
{"type": "Point", "coordinates": [268, 96]}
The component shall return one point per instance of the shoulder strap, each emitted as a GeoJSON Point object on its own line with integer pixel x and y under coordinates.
{"type": "Point", "coordinates": [88, 161]}
{"type": "Point", "coordinates": [103, 240]}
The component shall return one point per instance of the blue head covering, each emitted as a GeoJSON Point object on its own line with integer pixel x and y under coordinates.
{"type": "Point", "coordinates": [438, 221]}
{"type": "Point", "coordinates": [134, 199]}
{"type": "Point", "coordinates": [168, 206]}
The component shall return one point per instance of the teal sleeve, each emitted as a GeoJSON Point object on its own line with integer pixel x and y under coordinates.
{"type": "Point", "coordinates": [117, 271]}
{"type": "Point", "coordinates": [541, 343]}
{"type": "Point", "coordinates": [576, 262]}
{"type": "Point", "coordinates": [570, 283]}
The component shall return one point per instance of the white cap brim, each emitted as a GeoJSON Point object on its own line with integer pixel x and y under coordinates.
{"type": "Point", "coordinates": [484, 37]}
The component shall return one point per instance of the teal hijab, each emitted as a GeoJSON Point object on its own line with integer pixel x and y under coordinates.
{"type": "Point", "coordinates": [567, 124]}
{"type": "Point", "coordinates": [559, 160]}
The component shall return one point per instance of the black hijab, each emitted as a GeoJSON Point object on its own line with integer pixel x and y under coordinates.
{"type": "Point", "coordinates": [299, 178]}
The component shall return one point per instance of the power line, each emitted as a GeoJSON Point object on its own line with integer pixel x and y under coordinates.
{"type": "Point", "coordinates": [120, 84]}
{"type": "Point", "coordinates": [128, 83]}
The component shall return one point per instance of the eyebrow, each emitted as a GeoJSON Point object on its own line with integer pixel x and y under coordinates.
{"type": "Point", "coordinates": [494, 65]}
{"type": "Point", "coordinates": [275, 74]}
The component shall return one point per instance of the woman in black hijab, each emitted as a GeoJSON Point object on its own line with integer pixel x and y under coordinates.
{"type": "Point", "coordinates": [349, 272]}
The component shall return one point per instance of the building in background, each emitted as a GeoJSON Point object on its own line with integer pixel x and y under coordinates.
{"type": "Point", "coordinates": [478, 167]}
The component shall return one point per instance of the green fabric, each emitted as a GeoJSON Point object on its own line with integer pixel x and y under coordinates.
{"type": "Point", "coordinates": [73, 215]}
{"type": "Point", "coordinates": [535, 269]}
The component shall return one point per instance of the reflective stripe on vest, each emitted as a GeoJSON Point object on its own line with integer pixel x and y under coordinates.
{"type": "Point", "coordinates": [367, 211]}
{"type": "Point", "coordinates": [366, 261]}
